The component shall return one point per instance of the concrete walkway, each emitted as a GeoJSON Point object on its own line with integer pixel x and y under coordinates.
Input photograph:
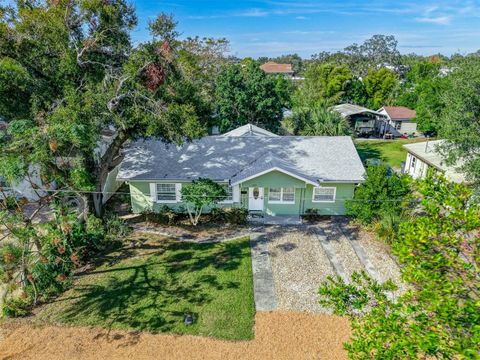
{"type": "Point", "coordinates": [331, 255]}
{"type": "Point", "coordinates": [263, 283]}
{"type": "Point", "coordinates": [282, 220]}
{"type": "Point", "coordinates": [361, 254]}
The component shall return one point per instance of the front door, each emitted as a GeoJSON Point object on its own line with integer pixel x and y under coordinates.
{"type": "Point", "coordinates": [255, 199]}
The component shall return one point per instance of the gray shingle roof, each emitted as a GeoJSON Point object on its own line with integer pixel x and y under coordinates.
{"type": "Point", "coordinates": [223, 158]}
{"type": "Point", "coordinates": [350, 109]}
{"type": "Point", "coordinates": [429, 153]}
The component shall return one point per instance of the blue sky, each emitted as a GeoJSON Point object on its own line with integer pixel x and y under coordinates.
{"type": "Point", "coordinates": [273, 27]}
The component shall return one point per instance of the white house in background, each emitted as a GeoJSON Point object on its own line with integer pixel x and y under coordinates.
{"type": "Point", "coordinates": [399, 120]}
{"type": "Point", "coordinates": [425, 155]}
{"type": "Point", "coordinates": [32, 188]}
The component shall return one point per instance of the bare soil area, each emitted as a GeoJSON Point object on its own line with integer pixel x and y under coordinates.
{"type": "Point", "coordinates": [278, 335]}
{"type": "Point", "coordinates": [187, 232]}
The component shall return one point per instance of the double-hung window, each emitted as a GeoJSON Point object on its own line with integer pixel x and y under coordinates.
{"type": "Point", "coordinates": [324, 194]}
{"type": "Point", "coordinates": [229, 190]}
{"type": "Point", "coordinates": [166, 193]}
{"type": "Point", "coordinates": [281, 196]}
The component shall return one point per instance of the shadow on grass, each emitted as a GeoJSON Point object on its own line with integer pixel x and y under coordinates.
{"type": "Point", "coordinates": [155, 293]}
{"type": "Point", "coordinates": [368, 151]}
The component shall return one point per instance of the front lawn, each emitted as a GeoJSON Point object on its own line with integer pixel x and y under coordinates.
{"type": "Point", "coordinates": [389, 151]}
{"type": "Point", "coordinates": [153, 286]}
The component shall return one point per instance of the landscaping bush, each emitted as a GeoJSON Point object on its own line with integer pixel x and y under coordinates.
{"type": "Point", "coordinates": [164, 216]}
{"type": "Point", "coordinates": [9, 202]}
{"type": "Point", "coordinates": [17, 307]}
{"type": "Point", "coordinates": [311, 215]}
{"type": "Point", "coordinates": [115, 228]}
{"type": "Point", "coordinates": [383, 192]}
{"type": "Point", "coordinates": [388, 225]}
{"type": "Point", "coordinates": [218, 215]}
{"type": "Point", "coordinates": [236, 216]}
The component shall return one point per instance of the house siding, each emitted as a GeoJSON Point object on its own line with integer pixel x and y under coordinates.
{"type": "Point", "coordinates": [142, 200]}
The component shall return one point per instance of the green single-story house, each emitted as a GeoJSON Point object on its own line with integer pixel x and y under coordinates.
{"type": "Point", "coordinates": [262, 172]}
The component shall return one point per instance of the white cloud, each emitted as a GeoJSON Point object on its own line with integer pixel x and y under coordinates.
{"type": "Point", "coordinates": [439, 20]}
{"type": "Point", "coordinates": [301, 18]}
{"type": "Point", "coordinates": [253, 13]}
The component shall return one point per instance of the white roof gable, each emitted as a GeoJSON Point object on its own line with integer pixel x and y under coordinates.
{"type": "Point", "coordinates": [249, 130]}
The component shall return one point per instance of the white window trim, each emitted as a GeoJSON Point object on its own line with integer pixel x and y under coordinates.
{"type": "Point", "coordinates": [281, 197]}
{"type": "Point", "coordinates": [154, 193]}
{"type": "Point", "coordinates": [323, 201]}
{"type": "Point", "coordinates": [228, 201]}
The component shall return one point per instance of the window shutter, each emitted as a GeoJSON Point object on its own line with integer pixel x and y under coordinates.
{"type": "Point", "coordinates": [178, 188]}
{"type": "Point", "coordinates": [236, 193]}
{"type": "Point", "coordinates": [153, 192]}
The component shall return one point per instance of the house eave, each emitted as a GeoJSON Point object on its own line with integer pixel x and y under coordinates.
{"type": "Point", "coordinates": [275, 168]}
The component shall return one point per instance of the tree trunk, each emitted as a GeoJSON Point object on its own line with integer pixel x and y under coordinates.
{"type": "Point", "coordinates": [97, 200]}
{"type": "Point", "coordinates": [102, 167]}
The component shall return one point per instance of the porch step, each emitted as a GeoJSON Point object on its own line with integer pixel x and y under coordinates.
{"type": "Point", "coordinates": [256, 214]}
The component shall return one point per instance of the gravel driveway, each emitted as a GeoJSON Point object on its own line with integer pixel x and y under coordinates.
{"type": "Point", "coordinates": [300, 262]}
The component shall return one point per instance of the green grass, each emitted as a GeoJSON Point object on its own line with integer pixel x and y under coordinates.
{"type": "Point", "coordinates": [389, 151]}
{"type": "Point", "coordinates": [153, 288]}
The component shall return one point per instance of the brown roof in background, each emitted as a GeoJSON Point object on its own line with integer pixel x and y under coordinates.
{"type": "Point", "coordinates": [400, 112]}
{"type": "Point", "coordinates": [274, 68]}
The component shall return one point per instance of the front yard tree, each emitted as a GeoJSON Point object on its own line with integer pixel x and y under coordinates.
{"type": "Point", "coordinates": [439, 254]}
{"type": "Point", "coordinates": [382, 193]}
{"type": "Point", "coordinates": [201, 194]}
{"type": "Point", "coordinates": [79, 74]}
{"type": "Point", "coordinates": [460, 119]}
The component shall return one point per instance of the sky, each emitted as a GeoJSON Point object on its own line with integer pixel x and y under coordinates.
{"type": "Point", "coordinates": [273, 27]}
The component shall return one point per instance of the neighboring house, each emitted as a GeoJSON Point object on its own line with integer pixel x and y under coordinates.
{"type": "Point", "coordinates": [362, 119]}
{"type": "Point", "coordinates": [272, 67]}
{"type": "Point", "coordinates": [423, 156]}
{"type": "Point", "coordinates": [31, 187]}
{"type": "Point", "coordinates": [264, 173]}
{"type": "Point", "coordinates": [398, 121]}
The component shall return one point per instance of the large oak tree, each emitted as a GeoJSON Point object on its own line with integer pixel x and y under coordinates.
{"type": "Point", "coordinates": [69, 72]}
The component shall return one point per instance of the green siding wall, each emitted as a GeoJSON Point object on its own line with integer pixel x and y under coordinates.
{"type": "Point", "coordinates": [303, 201]}
{"type": "Point", "coordinates": [141, 200]}
{"type": "Point", "coordinates": [344, 192]}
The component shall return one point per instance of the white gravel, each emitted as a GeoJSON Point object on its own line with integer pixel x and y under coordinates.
{"type": "Point", "coordinates": [379, 254]}
{"type": "Point", "coordinates": [299, 267]}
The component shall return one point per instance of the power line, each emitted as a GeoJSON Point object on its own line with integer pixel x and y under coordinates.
{"type": "Point", "coordinates": [59, 191]}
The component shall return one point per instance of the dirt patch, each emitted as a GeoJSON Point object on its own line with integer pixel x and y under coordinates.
{"type": "Point", "coordinates": [278, 335]}
{"type": "Point", "coordinates": [185, 232]}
